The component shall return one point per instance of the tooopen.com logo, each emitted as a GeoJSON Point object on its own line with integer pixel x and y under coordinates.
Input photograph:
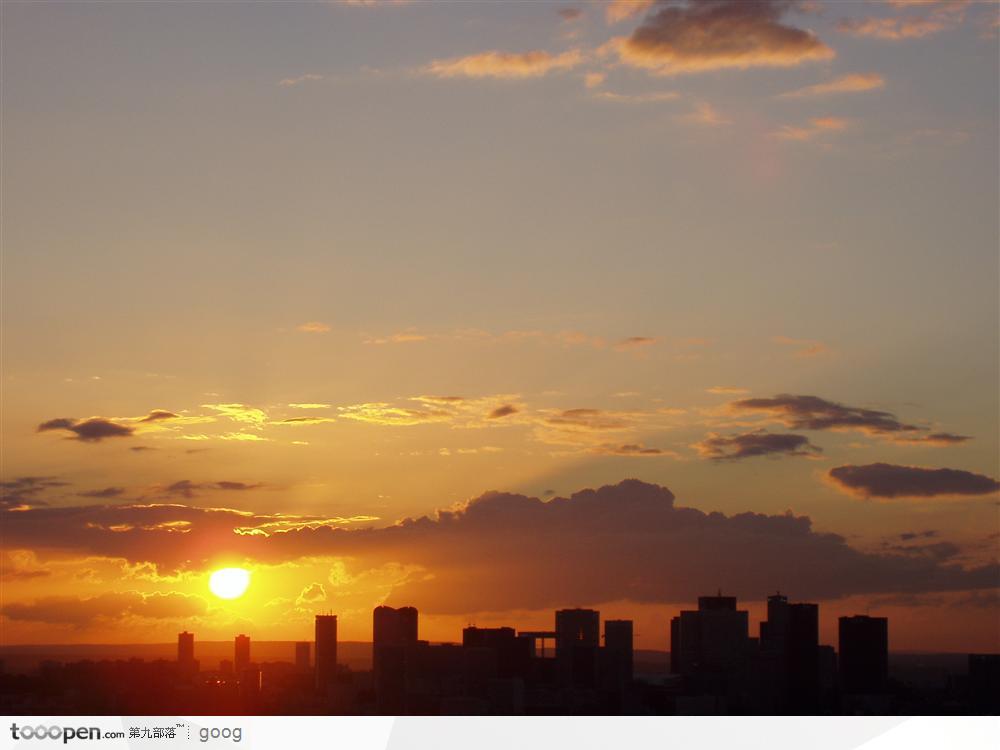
{"type": "Point", "coordinates": [42, 732]}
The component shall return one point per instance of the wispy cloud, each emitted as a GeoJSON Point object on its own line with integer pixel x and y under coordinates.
{"type": "Point", "coordinates": [851, 83]}
{"type": "Point", "coordinates": [704, 114]}
{"type": "Point", "coordinates": [313, 327]}
{"type": "Point", "coordinates": [616, 11]}
{"type": "Point", "coordinates": [816, 127]}
{"type": "Point", "coordinates": [305, 78]}
{"type": "Point", "coordinates": [646, 98]}
{"type": "Point", "coordinates": [935, 16]}
{"type": "Point", "coordinates": [804, 348]}
{"type": "Point", "coordinates": [726, 390]}
{"type": "Point", "coordinates": [755, 444]}
{"type": "Point", "coordinates": [505, 65]}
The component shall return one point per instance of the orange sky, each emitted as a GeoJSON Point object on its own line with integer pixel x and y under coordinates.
{"type": "Point", "coordinates": [384, 303]}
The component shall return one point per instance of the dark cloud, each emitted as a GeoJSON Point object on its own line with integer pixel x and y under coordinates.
{"type": "Point", "coordinates": [908, 535]}
{"type": "Point", "coordinates": [569, 14]}
{"type": "Point", "coordinates": [590, 419]}
{"type": "Point", "coordinates": [754, 444]}
{"type": "Point", "coordinates": [158, 415]}
{"type": "Point", "coordinates": [632, 449]}
{"type": "Point", "coordinates": [716, 34]}
{"type": "Point", "coordinates": [105, 493]}
{"type": "Point", "coordinates": [503, 411]}
{"type": "Point", "coordinates": [505, 551]}
{"type": "Point", "coordinates": [933, 438]}
{"type": "Point", "coordinates": [141, 448]}
{"type": "Point", "coordinates": [890, 480]}
{"type": "Point", "coordinates": [27, 491]}
{"type": "Point", "coordinates": [815, 413]}
{"type": "Point", "coordinates": [91, 430]}
{"type": "Point", "coordinates": [187, 488]}
{"type": "Point", "coordinates": [111, 606]}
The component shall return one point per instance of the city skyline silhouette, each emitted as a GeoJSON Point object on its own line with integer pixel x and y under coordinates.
{"type": "Point", "coordinates": [715, 667]}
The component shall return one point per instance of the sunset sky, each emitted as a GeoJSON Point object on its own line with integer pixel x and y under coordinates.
{"type": "Point", "coordinates": [372, 298]}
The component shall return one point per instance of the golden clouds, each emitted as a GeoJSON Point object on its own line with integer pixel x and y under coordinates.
{"type": "Point", "coordinates": [510, 65]}
{"type": "Point", "coordinates": [240, 413]}
{"type": "Point", "coordinates": [622, 10]}
{"type": "Point", "coordinates": [851, 83]}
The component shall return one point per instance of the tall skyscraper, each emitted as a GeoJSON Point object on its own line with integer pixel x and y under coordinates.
{"type": "Point", "coordinates": [790, 639]}
{"type": "Point", "coordinates": [394, 635]}
{"type": "Point", "coordinates": [864, 654]}
{"type": "Point", "coordinates": [187, 666]}
{"type": "Point", "coordinates": [241, 654]}
{"type": "Point", "coordinates": [577, 627]}
{"type": "Point", "coordinates": [394, 626]}
{"type": "Point", "coordinates": [185, 647]}
{"type": "Point", "coordinates": [578, 642]}
{"type": "Point", "coordinates": [302, 650]}
{"type": "Point", "coordinates": [618, 643]}
{"type": "Point", "coordinates": [326, 650]}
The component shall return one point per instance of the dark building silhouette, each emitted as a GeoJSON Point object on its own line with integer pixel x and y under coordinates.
{"type": "Point", "coordinates": [713, 638]}
{"type": "Point", "coordinates": [241, 654]}
{"type": "Point", "coordinates": [863, 654]}
{"type": "Point", "coordinates": [326, 651]}
{"type": "Point", "coordinates": [578, 639]}
{"type": "Point", "coordinates": [718, 668]}
{"type": "Point", "coordinates": [509, 654]}
{"type": "Point", "coordinates": [619, 644]}
{"type": "Point", "coordinates": [302, 650]}
{"type": "Point", "coordinates": [185, 647]}
{"type": "Point", "coordinates": [711, 649]}
{"type": "Point", "coordinates": [789, 646]}
{"type": "Point", "coordinates": [984, 683]}
{"type": "Point", "coordinates": [395, 626]}
{"type": "Point", "coordinates": [394, 640]}
{"type": "Point", "coordinates": [187, 666]}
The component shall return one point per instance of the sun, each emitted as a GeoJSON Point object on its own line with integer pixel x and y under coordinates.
{"type": "Point", "coordinates": [229, 583]}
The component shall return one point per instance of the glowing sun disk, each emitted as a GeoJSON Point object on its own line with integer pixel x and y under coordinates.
{"type": "Point", "coordinates": [229, 583]}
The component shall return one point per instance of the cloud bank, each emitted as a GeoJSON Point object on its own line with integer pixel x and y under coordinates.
{"type": "Point", "coordinates": [506, 551]}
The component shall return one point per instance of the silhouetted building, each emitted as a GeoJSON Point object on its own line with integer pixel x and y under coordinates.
{"type": "Point", "coordinates": [984, 683]}
{"type": "Point", "coordinates": [618, 642]}
{"type": "Point", "coordinates": [241, 654]}
{"type": "Point", "coordinates": [511, 655]}
{"type": "Point", "coordinates": [578, 639]}
{"type": "Point", "coordinates": [713, 639]}
{"type": "Point", "coordinates": [302, 649]}
{"type": "Point", "coordinates": [863, 654]}
{"type": "Point", "coordinates": [789, 638]}
{"type": "Point", "coordinates": [187, 666]}
{"type": "Point", "coordinates": [394, 636]}
{"type": "Point", "coordinates": [326, 651]}
{"type": "Point", "coordinates": [185, 647]}
{"type": "Point", "coordinates": [394, 626]}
